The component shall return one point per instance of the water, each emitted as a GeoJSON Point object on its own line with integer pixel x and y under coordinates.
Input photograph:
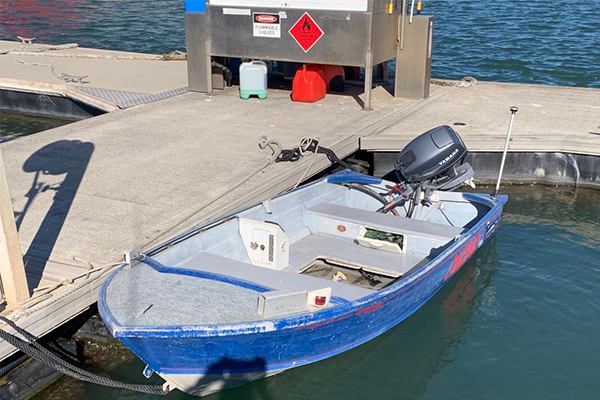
{"type": "Point", "coordinates": [13, 125]}
{"type": "Point", "coordinates": [519, 321]}
{"type": "Point", "coordinates": [535, 41]}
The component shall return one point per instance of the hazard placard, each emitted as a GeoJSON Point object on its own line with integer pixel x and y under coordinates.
{"type": "Point", "coordinates": [306, 32]}
{"type": "Point", "coordinates": [266, 25]}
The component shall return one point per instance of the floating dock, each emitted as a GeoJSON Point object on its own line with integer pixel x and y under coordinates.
{"type": "Point", "coordinates": [31, 81]}
{"type": "Point", "coordinates": [86, 192]}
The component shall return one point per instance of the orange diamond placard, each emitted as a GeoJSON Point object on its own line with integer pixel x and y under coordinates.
{"type": "Point", "coordinates": [306, 32]}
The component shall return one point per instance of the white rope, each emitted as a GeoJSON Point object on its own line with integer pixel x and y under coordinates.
{"type": "Point", "coordinates": [467, 81]}
{"type": "Point", "coordinates": [38, 48]}
{"type": "Point", "coordinates": [35, 49]}
{"type": "Point", "coordinates": [45, 299]}
{"type": "Point", "coordinates": [62, 76]}
{"type": "Point", "coordinates": [304, 144]}
{"type": "Point", "coordinates": [147, 57]}
{"type": "Point", "coordinates": [263, 144]}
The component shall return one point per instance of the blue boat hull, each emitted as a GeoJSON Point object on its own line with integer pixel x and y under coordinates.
{"type": "Point", "coordinates": [203, 359]}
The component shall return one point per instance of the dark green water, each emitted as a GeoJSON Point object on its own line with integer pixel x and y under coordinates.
{"type": "Point", "coordinates": [13, 125]}
{"type": "Point", "coordinates": [521, 320]}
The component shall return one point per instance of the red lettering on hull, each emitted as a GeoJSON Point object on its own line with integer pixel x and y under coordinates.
{"type": "Point", "coordinates": [461, 258]}
{"type": "Point", "coordinates": [370, 309]}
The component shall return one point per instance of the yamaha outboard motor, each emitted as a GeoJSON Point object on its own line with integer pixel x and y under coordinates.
{"type": "Point", "coordinates": [432, 161]}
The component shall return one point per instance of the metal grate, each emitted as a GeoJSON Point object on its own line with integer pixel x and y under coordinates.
{"type": "Point", "coordinates": [124, 99]}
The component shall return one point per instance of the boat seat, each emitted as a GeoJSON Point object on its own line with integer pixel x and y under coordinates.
{"type": "Point", "coordinates": [275, 280]}
{"type": "Point", "coordinates": [385, 222]}
{"type": "Point", "coordinates": [306, 251]}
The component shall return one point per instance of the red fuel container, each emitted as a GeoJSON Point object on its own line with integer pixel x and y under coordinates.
{"type": "Point", "coordinates": [309, 84]}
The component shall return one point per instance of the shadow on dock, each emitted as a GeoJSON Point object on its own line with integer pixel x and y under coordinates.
{"type": "Point", "coordinates": [64, 157]}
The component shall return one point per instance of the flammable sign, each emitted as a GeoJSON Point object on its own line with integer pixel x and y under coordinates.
{"type": "Point", "coordinates": [266, 25]}
{"type": "Point", "coordinates": [306, 32]}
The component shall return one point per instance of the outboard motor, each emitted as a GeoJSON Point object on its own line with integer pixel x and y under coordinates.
{"type": "Point", "coordinates": [431, 161]}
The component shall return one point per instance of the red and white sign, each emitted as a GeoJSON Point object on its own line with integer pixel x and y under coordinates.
{"type": "Point", "coordinates": [306, 32]}
{"type": "Point", "coordinates": [265, 18]}
{"type": "Point", "coordinates": [266, 25]}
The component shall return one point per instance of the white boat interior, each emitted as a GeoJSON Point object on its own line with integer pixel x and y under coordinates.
{"type": "Point", "coordinates": [314, 248]}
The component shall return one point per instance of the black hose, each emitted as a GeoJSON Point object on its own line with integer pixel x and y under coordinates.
{"type": "Point", "coordinates": [415, 200]}
{"type": "Point", "coordinates": [293, 155]}
{"type": "Point", "coordinates": [227, 74]}
{"type": "Point", "coordinates": [371, 193]}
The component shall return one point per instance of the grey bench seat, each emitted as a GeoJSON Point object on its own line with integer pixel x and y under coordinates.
{"type": "Point", "coordinates": [276, 280]}
{"type": "Point", "coordinates": [386, 222]}
{"type": "Point", "coordinates": [305, 251]}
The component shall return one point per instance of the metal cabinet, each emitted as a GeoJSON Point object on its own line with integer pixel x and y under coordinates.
{"type": "Point", "coordinates": [350, 33]}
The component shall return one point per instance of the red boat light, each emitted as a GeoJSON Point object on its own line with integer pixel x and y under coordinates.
{"type": "Point", "coordinates": [320, 300]}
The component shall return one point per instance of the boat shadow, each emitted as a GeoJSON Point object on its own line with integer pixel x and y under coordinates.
{"type": "Point", "coordinates": [220, 375]}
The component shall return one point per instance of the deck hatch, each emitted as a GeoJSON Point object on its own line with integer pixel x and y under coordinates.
{"type": "Point", "coordinates": [382, 240]}
{"type": "Point", "coordinates": [348, 274]}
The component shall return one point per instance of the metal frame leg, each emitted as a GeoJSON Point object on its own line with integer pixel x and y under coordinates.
{"type": "Point", "coordinates": [413, 62]}
{"type": "Point", "coordinates": [368, 81]}
{"type": "Point", "coordinates": [198, 52]}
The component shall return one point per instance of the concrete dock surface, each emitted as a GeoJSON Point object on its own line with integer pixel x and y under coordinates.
{"type": "Point", "coordinates": [83, 193]}
{"type": "Point", "coordinates": [113, 79]}
{"type": "Point", "coordinates": [142, 170]}
{"type": "Point", "coordinates": [550, 118]}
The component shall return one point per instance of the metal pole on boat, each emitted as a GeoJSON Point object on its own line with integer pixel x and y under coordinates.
{"type": "Point", "coordinates": [513, 111]}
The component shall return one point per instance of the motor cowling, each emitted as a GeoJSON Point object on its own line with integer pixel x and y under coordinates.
{"type": "Point", "coordinates": [431, 154]}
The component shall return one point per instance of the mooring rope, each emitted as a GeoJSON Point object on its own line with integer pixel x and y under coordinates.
{"type": "Point", "coordinates": [12, 365]}
{"type": "Point", "coordinates": [305, 144]}
{"type": "Point", "coordinates": [467, 81]}
{"type": "Point", "coordinates": [31, 49]}
{"type": "Point", "coordinates": [35, 51]}
{"type": "Point", "coordinates": [62, 76]}
{"type": "Point", "coordinates": [38, 48]}
{"type": "Point", "coordinates": [32, 348]}
{"type": "Point", "coordinates": [278, 155]}
{"type": "Point", "coordinates": [173, 56]}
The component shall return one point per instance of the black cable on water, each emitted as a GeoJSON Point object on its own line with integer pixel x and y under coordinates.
{"type": "Point", "coordinates": [30, 347]}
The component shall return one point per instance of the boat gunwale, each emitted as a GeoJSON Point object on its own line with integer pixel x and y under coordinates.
{"type": "Point", "coordinates": [299, 321]}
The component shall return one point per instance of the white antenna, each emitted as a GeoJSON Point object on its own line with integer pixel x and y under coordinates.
{"type": "Point", "coordinates": [513, 111]}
